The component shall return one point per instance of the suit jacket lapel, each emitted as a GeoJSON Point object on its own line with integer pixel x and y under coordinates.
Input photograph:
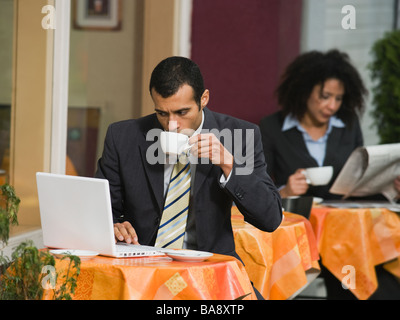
{"type": "Point", "coordinates": [295, 138]}
{"type": "Point", "coordinates": [202, 170]}
{"type": "Point", "coordinates": [333, 144]}
{"type": "Point", "coordinates": [154, 172]}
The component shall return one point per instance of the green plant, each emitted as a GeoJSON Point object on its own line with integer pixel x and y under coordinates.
{"type": "Point", "coordinates": [25, 276]}
{"type": "Point", "coordinates": [9, 206]}
{"type": "Point", "coordinates": [385, 71]}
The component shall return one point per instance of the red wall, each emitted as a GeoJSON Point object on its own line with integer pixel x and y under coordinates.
{"type": "Point", "coordinates": [242, 46]}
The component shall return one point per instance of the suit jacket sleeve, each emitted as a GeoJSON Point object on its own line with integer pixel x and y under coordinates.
{"type": "Point", "coordinates": [251, 188]}
{"type": "Point", "coordinates": [268, 147]}
{"type": "Point", "coordinates": [107, 168]}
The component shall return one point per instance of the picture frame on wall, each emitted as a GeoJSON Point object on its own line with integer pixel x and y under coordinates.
{"type": "Point", "coordinates": [97, 15]}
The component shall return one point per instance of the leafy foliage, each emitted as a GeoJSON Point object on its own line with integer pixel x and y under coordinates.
{"type": "Point", "coordinates": [26, 276]}
{"type": "Point", "coordinates": [69, 279]}
{"type": "Point", "coordinates": [9, 205]}
{"type": "Point", "coordinates": [385, 71]}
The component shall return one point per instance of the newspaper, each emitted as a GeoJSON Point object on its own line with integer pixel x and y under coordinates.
{"type": "Point", "coordinates": [368, 171]}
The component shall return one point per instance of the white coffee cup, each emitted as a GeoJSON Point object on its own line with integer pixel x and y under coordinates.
{"type": "Point", "coordinates": [318, 176]}
{"type": "Point", "coordinates": [174, 143]}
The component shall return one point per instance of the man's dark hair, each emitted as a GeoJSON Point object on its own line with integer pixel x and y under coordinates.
{"type": "Point", "coordinates": [314, 68]}
{"type": "Point", "coordinates": [172, 73]}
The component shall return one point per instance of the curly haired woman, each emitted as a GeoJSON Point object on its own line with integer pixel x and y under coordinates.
{"type": "Point", "coordinates": [321, 96]}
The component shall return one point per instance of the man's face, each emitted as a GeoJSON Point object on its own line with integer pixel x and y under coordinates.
{"type": "Point", "coordinates": [179, 112]}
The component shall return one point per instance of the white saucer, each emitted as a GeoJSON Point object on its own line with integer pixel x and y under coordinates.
{"type": "Point", "coordinates": [188, 255]}
{"type": "Point", "coordinates": [79, 253]}
{"type": "Point", "coordinates": [317, 200]}
{"type": "Point", "coordinates": [394, 208]}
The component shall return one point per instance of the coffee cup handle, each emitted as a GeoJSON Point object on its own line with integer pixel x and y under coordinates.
{"type": "Point", "coordinates": [186, 149]}
{"type": "Point", "coordinates": [305, 175]}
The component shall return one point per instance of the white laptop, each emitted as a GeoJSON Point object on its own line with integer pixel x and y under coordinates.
{"type": "Point", "coordinates": [76, 214]}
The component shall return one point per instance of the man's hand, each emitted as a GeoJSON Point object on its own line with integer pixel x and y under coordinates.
{"type": "Point", "coordinates": [125, 232]}
{"type": "Point", "coordinates": [207, 145]}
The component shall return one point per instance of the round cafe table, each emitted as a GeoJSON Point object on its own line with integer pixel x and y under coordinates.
{"type": "Point", "coordinates": [357, 240]}
{"type": "Point", "coordinates": [281, 263]}
{"type": "Point", "coordinates": [219, 277]}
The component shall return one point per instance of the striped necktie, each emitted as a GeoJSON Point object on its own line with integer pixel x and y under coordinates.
{"type": "Point", "coordinates": [173, 221]}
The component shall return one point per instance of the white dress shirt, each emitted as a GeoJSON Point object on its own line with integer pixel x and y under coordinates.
{"type": "Point", "coordinates": [316, 148]}
{"type": "Point", "coordinates": [190, 235]}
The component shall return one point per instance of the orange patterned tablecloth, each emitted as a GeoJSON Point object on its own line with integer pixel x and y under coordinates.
{"type": "Point", "coordinates": [160, 278]}
{"type": "Point", "coordinates": [281, 263]}
{"type": "Point", "coordinates": [352, 242]}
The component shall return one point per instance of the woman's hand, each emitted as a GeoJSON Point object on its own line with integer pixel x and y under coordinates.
{"type": "Point", "coordinates": [397, 186]}
{"type": "Point", "coordinates": [296, 185]}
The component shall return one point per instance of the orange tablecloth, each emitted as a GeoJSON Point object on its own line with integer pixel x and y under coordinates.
{"type": "Point", "coordinates": [160, 278]}
{"type": "Point", "coordinates": [280, 263]}
{"type": "Point", "coordinates": [357, 240]}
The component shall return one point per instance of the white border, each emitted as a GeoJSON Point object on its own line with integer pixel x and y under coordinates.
{"type": "Point", "coordinates": [60, 87]}
{"type": "Point", "coordinates": [183, 27]}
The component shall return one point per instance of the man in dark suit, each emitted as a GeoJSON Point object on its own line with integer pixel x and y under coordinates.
{"type": "Point", "coordinates": [231, 166]}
